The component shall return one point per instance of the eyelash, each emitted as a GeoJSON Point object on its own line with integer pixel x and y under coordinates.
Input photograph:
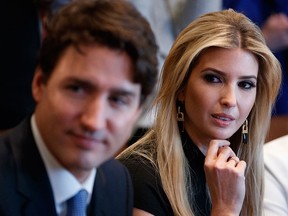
{"type": "Point", "coordinates": [74, 88]}
{"type": "Point", "coordinates": [244, 83]}
{"type": "Point", "coordinates": [211, 78]}
{"type": "Point", "coordinates": [119, 100]}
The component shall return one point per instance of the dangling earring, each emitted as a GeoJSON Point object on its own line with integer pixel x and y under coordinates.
{"type": "Point", "coordinates": [245, 132]}
{"type": "Point", "coordinates": [180, 118]}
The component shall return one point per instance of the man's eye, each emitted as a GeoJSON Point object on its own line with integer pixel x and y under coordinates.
{"type": "Point", "coordinates": [247, 85]}
{"type": "Point", "coordinates": [75, 88]}
{"type": "Point", "coordinates": [119, 100]}
{"type": "Point", "coordinates": [211, 78]}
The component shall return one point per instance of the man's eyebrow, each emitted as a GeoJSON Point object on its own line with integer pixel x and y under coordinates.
{"type": "Point", "coordinates": [84, 83]}
{"type": "Point", "coordinates": [122, 90]}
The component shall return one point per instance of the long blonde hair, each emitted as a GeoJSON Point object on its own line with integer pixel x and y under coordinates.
{"type": "Point", "coordinates": [162, 145]}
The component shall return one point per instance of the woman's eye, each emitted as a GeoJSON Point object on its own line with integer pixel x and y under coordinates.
{"type": "Point", "coordinates": [211, 78]}
{"type": "Point", "coordinates": [247, 84]}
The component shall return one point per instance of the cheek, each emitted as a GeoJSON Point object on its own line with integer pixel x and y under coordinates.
{"type": "Point", "coordinates": [120, 131]}
{"type": "Point", "coordinates": [123, 123]}
{"type": "Point", "coordinates": [247, 103]}
{"type": "Point", "coordinates": [64, 105]}
{"type": "Point", "coordinates": [198, 99]}
{"type": "Point", "coordinates": [61, 112]}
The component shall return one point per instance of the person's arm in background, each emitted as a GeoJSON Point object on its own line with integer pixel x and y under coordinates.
{"type": "Point", "coordinates": [276, 184]}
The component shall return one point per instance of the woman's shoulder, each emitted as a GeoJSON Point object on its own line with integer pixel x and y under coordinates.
{"type": "Point", "coordinates": [148, 192]}
{"type": "Point", "coordinates": [139, 165]}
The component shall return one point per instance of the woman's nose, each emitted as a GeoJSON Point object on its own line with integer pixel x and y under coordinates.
{"type": "Point", "coordinates": [228, 97]}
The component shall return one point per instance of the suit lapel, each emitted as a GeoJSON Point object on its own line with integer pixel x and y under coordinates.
{"type": "Point", "coordinates": [112, 194]}
{"type": "Point", "coordinates": [32, 179]}
{"type": "Point", "coordinates": [98, 205]}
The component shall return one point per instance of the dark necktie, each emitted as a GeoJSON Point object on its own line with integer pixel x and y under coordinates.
{"type": "Point", "coordinates": [76, 205]}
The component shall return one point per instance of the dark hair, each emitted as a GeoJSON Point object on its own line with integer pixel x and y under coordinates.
{"type": "Point", "coordinates": [112, 23]}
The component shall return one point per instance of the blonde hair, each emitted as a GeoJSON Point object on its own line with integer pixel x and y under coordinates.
{"type": "Point", "coordinates": [162, 145]}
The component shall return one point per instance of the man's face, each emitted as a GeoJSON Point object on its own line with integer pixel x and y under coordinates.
{"type": "Point", "coordinates": [87, 109]}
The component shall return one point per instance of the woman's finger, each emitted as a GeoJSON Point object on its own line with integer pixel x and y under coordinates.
{"type": "Point", "coordinates": [213, 148]}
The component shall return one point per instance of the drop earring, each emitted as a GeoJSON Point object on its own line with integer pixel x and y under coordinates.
{"type": "Point", "coordinates": [180, 118]}
{"type": "Point", "coordinates": [245, 132]}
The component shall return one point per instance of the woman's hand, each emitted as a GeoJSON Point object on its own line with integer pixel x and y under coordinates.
{"type": "Point", "coordinates": [225, 178]}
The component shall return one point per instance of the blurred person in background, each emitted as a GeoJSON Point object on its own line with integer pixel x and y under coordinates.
{"type": "Point", "coordinates": [167, 18]}
{"type": "Point", "coordinates": [272, 17]}
{"type": "Point", "coordinates": [23, 29]}
{"type": "Point", "coordinates": [20, 42]}
{"type": "Point", "coordinates": [276, 175]}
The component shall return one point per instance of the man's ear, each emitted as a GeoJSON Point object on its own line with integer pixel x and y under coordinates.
{"type": "Point", "coordinates": [37, 84]}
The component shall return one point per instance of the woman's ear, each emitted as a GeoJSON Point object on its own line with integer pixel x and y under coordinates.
{"type": "Point", "coordinates": [181, 95]}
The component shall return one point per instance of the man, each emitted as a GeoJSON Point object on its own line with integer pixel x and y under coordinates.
{"type": "Point", "coordinates": [97, 66]}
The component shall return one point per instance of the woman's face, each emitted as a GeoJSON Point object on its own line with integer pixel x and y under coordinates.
{"type": "Point", "coordinates": [220, 94]}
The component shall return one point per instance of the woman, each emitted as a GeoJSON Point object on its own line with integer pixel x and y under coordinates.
{"type": "Point", "coordinates": [218, 85]}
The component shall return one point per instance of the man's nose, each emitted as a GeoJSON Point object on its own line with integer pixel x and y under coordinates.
{"type": "Point", "coordinates": [94, 115]}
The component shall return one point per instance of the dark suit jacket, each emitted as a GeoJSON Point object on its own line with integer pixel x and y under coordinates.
{"type": "Point", "coordinates": [25, 188]}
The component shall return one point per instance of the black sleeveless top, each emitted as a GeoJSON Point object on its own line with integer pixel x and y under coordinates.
{"type": "Point", "coordinates": [148, 192]}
